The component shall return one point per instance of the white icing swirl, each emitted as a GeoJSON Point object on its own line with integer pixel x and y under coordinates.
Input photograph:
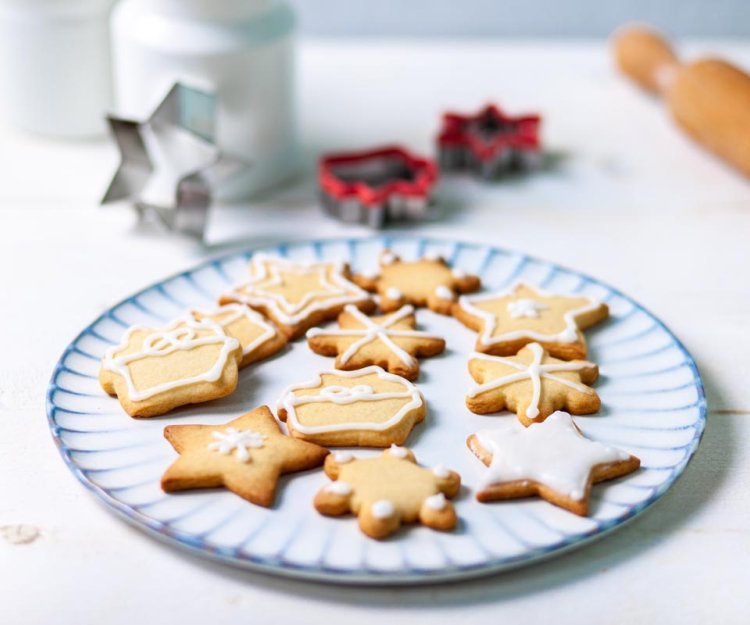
{"type": "Point", "coordinates": [383, 509]}
{"type": "Point", "coordinates": [239, 441]}
{"type": "Point", "coordinates": [436, 502]}
{"type": "Point", "coordinates": [339, 488]}
{"type": "Point", "coordinates": [441, 471]}
{"type": "Point", "coordinates": [525, 307]}
{"type": "Point", "coordinates": [393, 293]}
{"type": "Point", "coordinates": [443, 292]}
{"type": "Point", "coordinates": [398, 452]}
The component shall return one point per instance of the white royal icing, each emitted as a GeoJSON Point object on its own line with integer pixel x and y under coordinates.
{"type": "Point", "coordinates": [398, 452]}
{"type": "Point", "coordinates": [489, 320]}
{"type": "Point", "coordinates": [441, 471]}
{"type": "Point", "coordinates": [237, 311]}
{"type": "Point", "coordinates": [436, 502]}
{"type": "Point", "coordinates": [432, 256]}
{"type": "Point", "coordinates": [239, 441]}
{"type": "Point", "coordinates": [371, 331]}
{"type": "Point", "coordinates": [553, 453]}
{"type": "Point", "coordinates": [180, 335]}
{"type": "Point", "coordinates": [387, 258]}
{"type": "Point", "coordinates": [342, 457]}
{"type": "Point", "coordinates": [393, 293]}
{"type": "Point", "coordinates": [534, 372]}
{"type": "Point", "coordinates": [289, 401]}
{"type": "Point", "coordinates": [336, 291]}
{"type": "Point", "coordinates": [459, 274]}
{"type": "Point", "coordinates": [339, 488]}
{"type": "Point", "coordinates": [383, 509]}
{"type": "Point", "coordinates": [443, 292]}
{"type": "Point", "coordinates": [526, 307]}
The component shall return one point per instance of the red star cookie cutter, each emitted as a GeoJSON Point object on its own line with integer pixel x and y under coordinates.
{"type": "Point", "coordinates": [376, 186]}
{"type": "Point", "coordinates": [489, 143]}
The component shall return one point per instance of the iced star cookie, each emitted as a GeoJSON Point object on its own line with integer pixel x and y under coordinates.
{"type": "Point", "coordinates": [388, 341]}
{"type": "Point", "coordinates": [387, 491]}
{"type": "Point", "coordinates": [258, 337]}
{"type": "Point", "coordinates": [531, 383]}
{"type": "Point", "coordinates": [297, 296]}
{"type": "Point", "coordinates": [368, 408]}
{"type": "Point", "coordinates": [428, 281]}
{"type": "Point", "coordinates": [246, 455]}
{"type": "Point", "coordinates": [508, 320]}
{"type": "Point", "coordinates": [153, 371]}
{"type": "Point", "coordinates": [551, 459]}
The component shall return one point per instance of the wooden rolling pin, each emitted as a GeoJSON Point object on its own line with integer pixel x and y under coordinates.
{"type": "Point", "coordinates": [709, 98]}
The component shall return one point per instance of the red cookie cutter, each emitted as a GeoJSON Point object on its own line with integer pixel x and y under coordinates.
{"type": "Point", "coordinates": [489, 143]}
{"type": "Point", "coordinates": [376, 186]}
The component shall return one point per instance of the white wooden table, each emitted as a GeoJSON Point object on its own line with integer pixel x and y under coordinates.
{"type": "Point", "coordinates": [631, 201]}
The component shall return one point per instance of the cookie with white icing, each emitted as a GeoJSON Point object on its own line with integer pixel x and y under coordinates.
{"type": "Point", "coordinates": [153, 371]}
{"type": "Point", "coordinates": [367, 408]}
{"type": "Point", "coordinates": [531, 383]}
{"type": "Point", "coordinates": [258, 337]}
{"type": "Point", "coordinates": [389, 341]}
{"type": "Point", "coordinates": [428, 281]}
{"type": "Point", "coordinates": [298, 296]}
{"type": "Point", "coordinates": [246, 456]}
{"type": "Point", "coordinates": [551, 459]}
{"type": "Point", "coordinates": [508, 320]}
{"type": "Point", "coordinates": [387, 491]}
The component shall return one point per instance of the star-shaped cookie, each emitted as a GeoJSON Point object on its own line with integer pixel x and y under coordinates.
{"type": "Point", "coordinates": [532, 383]}
{"type": "Point", "coordinates": [388, 490]}
{"type": "Point", "coordinates": [508, 320]}
{"type": "Point", "coordinates": [389, 341]}
{"type": "Point", "coordinates": [428, 281]}
{"type": "Point", "coordinates": [246, 455]}
{"type": "Point", "coordinates": [551, 459]}
{"type": "Point", "coordinates": [296, 295]}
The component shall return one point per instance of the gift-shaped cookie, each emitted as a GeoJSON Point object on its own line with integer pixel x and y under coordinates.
{"type": "Point", "coordinates": [428, 281]}
{"type": "Point", "coordinates": [531, 383]}
{"type": "Point", "coordinates": [508, 320]}
{"type": "Point", "coordinates": [153, 371]}
{"type": "Point", "coordinates": [389, 341]}
{"type": "Point", "coordinates": [368, 408]}
{"type": "Point", "coordinates": [387, 491]}
{"type": "Point", "coordinates": [298, 296]}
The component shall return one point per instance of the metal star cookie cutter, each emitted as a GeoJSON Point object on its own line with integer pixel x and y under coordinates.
{"type": "Point", "coordinates": [170, 164]}
{"type": "Point", "coordinates": [489, 143]}
{"type": "Point", "coordinates": [376, 186]}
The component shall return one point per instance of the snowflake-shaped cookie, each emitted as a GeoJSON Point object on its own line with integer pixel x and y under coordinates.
{"type": "Point", "coordinates": [428, 281]}
{"type": "Point", "coordinates": [532, 383]}
{"type": "Point", "coordinates": [508, 320]}
{"type": "Point", "coordinates": [388, 341]}
{"type": "Point", "coordinates": [297, 295]}
{"type": "Point", "coordinates": [551, 459]}
{"type": "Point", "coordinates": [246, 455]}
{"type": "Point", "coordinates": [388, 490]}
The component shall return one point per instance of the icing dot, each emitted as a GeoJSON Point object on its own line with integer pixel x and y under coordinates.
{"type": "Point", "coordinates": [436, 502]}
{"type": "Point", "coordinates": [431, 256]}
{"type": "Point", "coordinates": [387, 258]}
{"type": "Point", "coordinates": [443, 292]}
{"type": "Point", "coordinates": [441, 471]}
{"type": "Point", "coordinates": [525, 307]}
{"type": "Point", "coordinates": [369, 273]}
{"type": "Point", "coordinates": [342, 457]}
{"type": "Point", "coordinates": [383, 509]}
{"type": "Point", "coordinates": [398, 452]}
{"type": "Point", "coordinates": [339, 488]}
{"type": "Point", "coordinates": [458, 273]}
{"type": "Point", "coordinates": [393, 293]}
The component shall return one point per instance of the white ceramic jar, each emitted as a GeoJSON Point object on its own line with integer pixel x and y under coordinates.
{"type": "Point", "coordinates": [54, 65]}
{"type": "Point", "coordinates": [243, 50]}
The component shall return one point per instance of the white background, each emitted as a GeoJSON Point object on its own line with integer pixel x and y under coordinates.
{"type": "Point", "coordinates": [630, 200]}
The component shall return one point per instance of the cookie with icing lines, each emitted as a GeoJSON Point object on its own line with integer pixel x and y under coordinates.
{"type": "Point", "coordinates": [367, 408]}
{"type": "Point", "coordinates": [531, 383]}
{"type": "Point", "coordinates": [390, 341]}
{"type": "Point", "coordinates": [387, 491]}
{"type": "Point", "coordinates": [428, 281]}
{"type": "Point", "coordinates": [508, 320]}
{"type": "Point", "coordinates": [246, 456]}
{"type": "Point", "coordinates": [153, 371]}
{"type": "Point", "coordinates": [551, 459]}
{"type": "Point", "coordinates": [258, 337]}
{"type": "Point", "coordinates": [298, 296]}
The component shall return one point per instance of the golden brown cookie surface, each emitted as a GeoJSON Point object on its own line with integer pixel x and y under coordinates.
{"type": "Point", "coordinates": [246, 455]}
{"type": "Point", "coordinates": [388, 490]}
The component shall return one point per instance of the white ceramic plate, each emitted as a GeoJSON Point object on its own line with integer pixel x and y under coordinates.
{"type": "Point", "coordinates": [653, 407]}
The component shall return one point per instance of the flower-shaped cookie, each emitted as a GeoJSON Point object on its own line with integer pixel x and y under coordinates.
{"type": "Point", "coordinates": [153, 371]}
{"type": "Point", "coordinates": [551, 459]}
{"type": "Point", "coordinates": [532, 383]}
{"type": "Point", "coordinates": [388, 341]}
{"type": "Point", "coordinates": [428, 281]}
{"type": "Point", "coordinates": [246, 455]}
{"type": "Point", "coordinates": [508, 320]}
{"type": "Point", "coordinates": [297, 295]}
{"type": "Point", "coordinates": [387, 491]}
{"type": "Point", "coordinates": [368, 408]}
